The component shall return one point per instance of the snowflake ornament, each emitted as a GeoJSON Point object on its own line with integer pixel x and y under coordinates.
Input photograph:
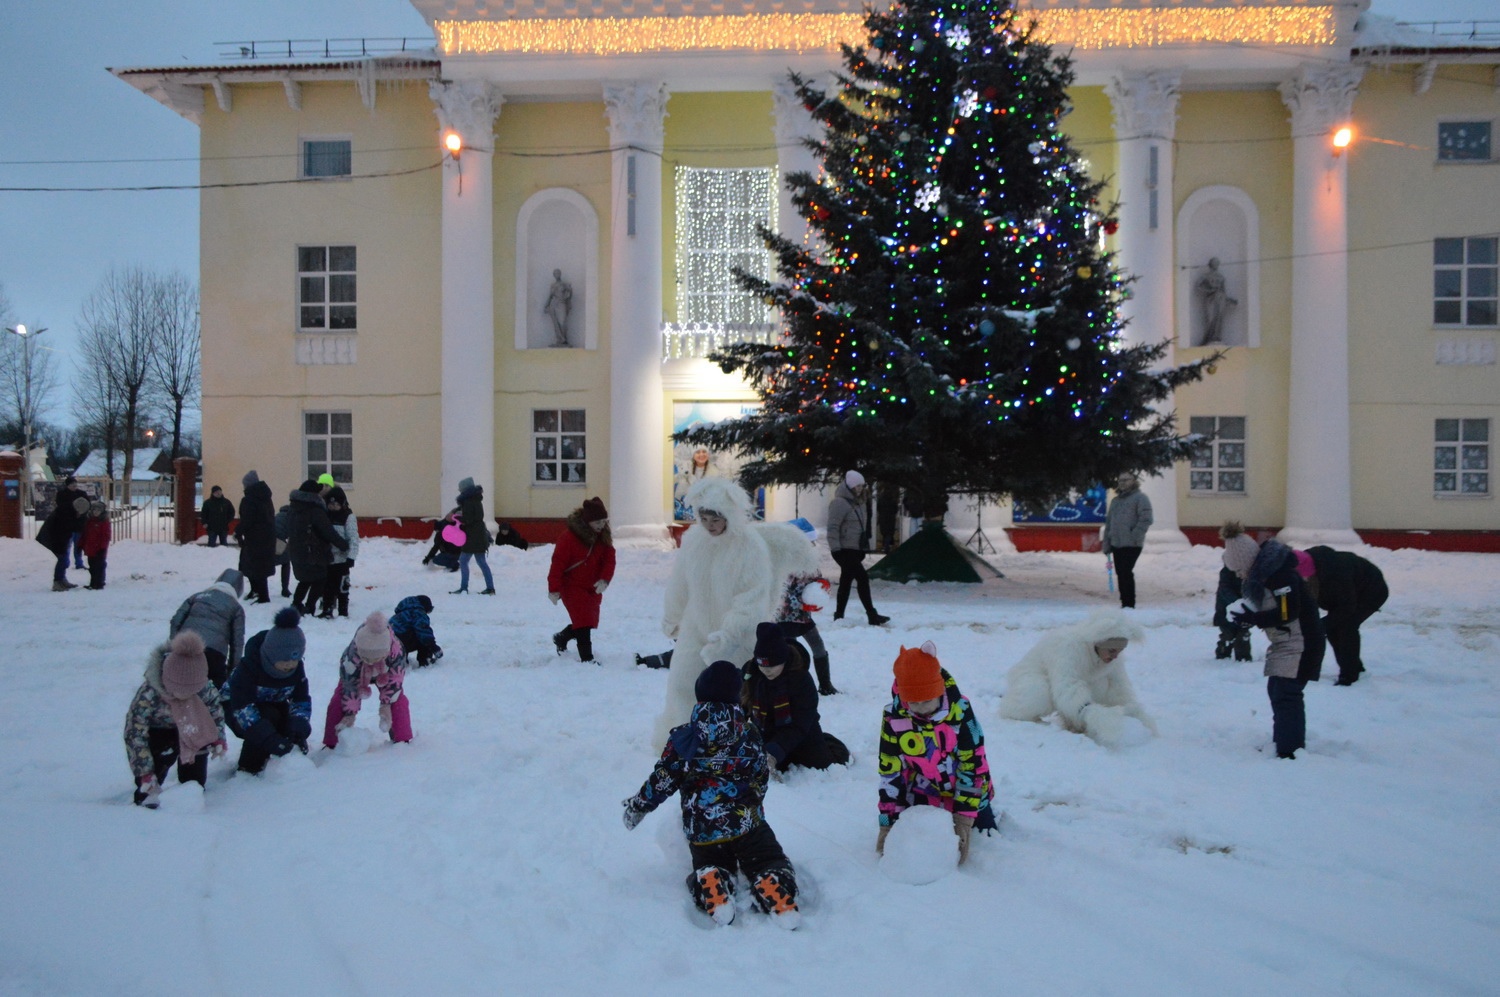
{"type": "Point", "coordinates": [957, 37]}
{"type": "Point", "coordinates": [968, 103]}
{"type": "Point", "coordinates": [928, 195]}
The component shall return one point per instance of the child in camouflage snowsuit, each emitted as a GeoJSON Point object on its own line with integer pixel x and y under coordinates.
{"type": "Point", "coordinates": [717, 763]}
{"type": "Point", "coordinates": [175, 718]}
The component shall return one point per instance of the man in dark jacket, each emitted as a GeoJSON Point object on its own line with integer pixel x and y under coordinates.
{"type": "Point", "coordinates": [1350, 590]}
{"type": "Point", "coordinates": [778, 694]}
{"type": "Point", "coordinates": [216, 513]}
{"type": "Point", "coordinates": [57, 531]}
{"type": "Point", "coordinates": [310, 544]}
{"type": "Point", "coordinates": [256, 534]}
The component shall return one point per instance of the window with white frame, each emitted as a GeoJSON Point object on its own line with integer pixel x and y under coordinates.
{"type": "Point", "coordinates": [1464, 141]}
{"type": "Point", "coordinates": [328, 445]}
{"type": "Point", "coordinates": [1465, 278]}
{"type": "Point", "coordinates": [1461, 457]}
{"type": "Point", "coordinates": [1218, 467]}
{"type": "Point", "coordinates": [717, 211]}
{"type": "Point", "coordinates": [559, 446]}
{"type": "Point", "coordinates": [327, 157]}
{"type": "Point", "coordinates": [325, 289]}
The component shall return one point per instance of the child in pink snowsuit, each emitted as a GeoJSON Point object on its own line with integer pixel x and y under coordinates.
{"type": "Point", "coordinates": [373, 658]}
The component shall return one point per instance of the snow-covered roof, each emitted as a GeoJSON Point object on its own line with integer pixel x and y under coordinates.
{"type": "Point", "coordinates": [94, 466]}
{"type": "Point", "coordinates": [1376, 36]}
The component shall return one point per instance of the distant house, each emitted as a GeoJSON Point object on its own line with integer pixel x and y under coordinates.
{"type": "Point", "coordinates": [148, 464]}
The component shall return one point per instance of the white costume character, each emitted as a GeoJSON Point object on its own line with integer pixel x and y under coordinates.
{"type": "Point", "coordinates": [721, 587]}
{"type": "Point", "coordinates": [1076, 672]}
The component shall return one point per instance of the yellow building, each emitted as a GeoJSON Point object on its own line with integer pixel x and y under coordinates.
{"type": "Point", "coordinates": [532, 309]}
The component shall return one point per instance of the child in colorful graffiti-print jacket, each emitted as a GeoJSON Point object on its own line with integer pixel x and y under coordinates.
{"type": "Point", "coordinates": [717, 763]}
{"type": "Point", "coordinates": [932, 750]}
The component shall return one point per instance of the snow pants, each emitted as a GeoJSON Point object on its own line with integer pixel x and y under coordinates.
{"type": "Point", "coordinates": [400, 719]}
{"type": "Point", "coordinates": [163, 744]}
{"type": "Point", "coordinates": [1343, 631]}
{"type": "Point", "coordinates": [1288, 714]}
{"type": "Point", "coordinates": [756, 854]}
{"type": "Point", "coordinates": [336, 590]}
{"type": "Point", "coordinates": [97, 564]}
{"type": "Point", "coordinates": [852, 570]}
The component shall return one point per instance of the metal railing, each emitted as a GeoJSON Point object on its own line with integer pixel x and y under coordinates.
{"type": "Point", "coordinates": [324, 48]}
{"type": "Point", "coordinates": [695, 340]}
{"type": "Point", "coordinates": [1455, 31]}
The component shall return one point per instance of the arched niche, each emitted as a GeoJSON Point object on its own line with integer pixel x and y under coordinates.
{"type": "Point", "coordinates": [1218, 223]}
{"type": "Point", "coordinates": [557, 233]}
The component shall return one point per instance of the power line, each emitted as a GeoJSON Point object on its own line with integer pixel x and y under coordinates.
{"type": "Point", "coordinates": [220, 186]}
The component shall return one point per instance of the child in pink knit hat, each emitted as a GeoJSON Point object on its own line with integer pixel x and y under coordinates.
{"type": "Point", "coordinates": [175, 719]}
{"type": "Point", "coordinates": [374, 660]}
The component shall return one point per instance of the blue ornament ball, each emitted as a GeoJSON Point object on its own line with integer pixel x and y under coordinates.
{"type": "Point", "coordinates": [986, 328]}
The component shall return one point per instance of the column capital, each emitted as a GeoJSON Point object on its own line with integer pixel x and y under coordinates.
{"type": "Point", "coordinates": [793, 122]}
{"type": "Point", "coordinates": [637, 112]}
{"type": "Point", "coordinates": [1320, 97]}
{"type": "Point", "coordinates": [1145, 104]}
{"type": "Point", "coordinates": [469, 107]}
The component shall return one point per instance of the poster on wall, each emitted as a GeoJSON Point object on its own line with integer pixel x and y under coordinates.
{"type": "Point", "coordinates": [689, 463]}
{"type": "Point", "coordinates": [1088, 507]}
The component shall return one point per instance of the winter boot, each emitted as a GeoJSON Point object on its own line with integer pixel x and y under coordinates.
{"type": "Point", "coordinates": [1225, 647]}
{"type": "Point", "coordinates": [1242, 650]}
{"type": "Point", "coordinates": [776, 894]}
{"type": "Point", "coordinates": [561, 638]}
{"type": "Point", "coordinates": [713, 892]}
{"type": "Point", "coordinates": [586, 645]}
{"type": "Point", "coordinates": [62, 586]}
{"type": "Point", "coordinates": [825, 684]}
{"type": "Point", "coordinates": [876, 620]}
{"type": "Point", "coordinates": [663, 660]}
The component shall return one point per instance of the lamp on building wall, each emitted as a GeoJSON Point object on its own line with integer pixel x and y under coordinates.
{"type": "Point", "coordinates": [1341, 139]}
{"type": "Point", "coordinates": [453, 142]}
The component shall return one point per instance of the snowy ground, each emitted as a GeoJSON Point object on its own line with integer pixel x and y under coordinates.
{"type": "Point", "coordinates": [488, 855]}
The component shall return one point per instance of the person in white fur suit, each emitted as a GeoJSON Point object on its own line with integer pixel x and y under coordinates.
{"type": "Point", "coordinates": [1077, 673]}
{"type": "Point", "coordinates": [722, 586]}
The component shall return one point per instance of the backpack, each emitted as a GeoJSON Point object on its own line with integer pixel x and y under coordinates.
{"type": "Point", "coordinates": [283, 529]}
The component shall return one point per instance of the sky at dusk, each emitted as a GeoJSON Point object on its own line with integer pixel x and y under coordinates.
{"type": "Point", "coordinates": [66, 122]}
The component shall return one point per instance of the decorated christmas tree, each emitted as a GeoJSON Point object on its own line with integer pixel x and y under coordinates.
{"type": "Point", "coordinates": [952, 324]}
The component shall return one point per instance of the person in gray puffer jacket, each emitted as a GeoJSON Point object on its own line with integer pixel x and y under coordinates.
{"type": "Point", "coordinates": [848, 539]}
{"type": "Point", "coordinates": [1124, 534]}
{"type": "Point", "coordinates": [216, 615]}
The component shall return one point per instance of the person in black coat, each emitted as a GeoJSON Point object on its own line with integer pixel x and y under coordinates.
{"type": "Point", "coordinates": [56, 532]}
{"type": "Point", "coordinates": [1351, 590]}
{"type": "Point", "coordinates": [270, 707]}
{"type": "Point", "coordinates": [256, 534]}
{"type": "Point", "coordinates": [779, 696]}
{"type": "Point", "coordinates": [216, 513]}
{"type": "Point", "coordinates": [310, 544]}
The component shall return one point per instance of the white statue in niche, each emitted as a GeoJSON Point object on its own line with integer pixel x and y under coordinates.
{"type": "Point", "coordinates": [1216, 303]}
{"type": "Point", "coordinates": [559, 304]}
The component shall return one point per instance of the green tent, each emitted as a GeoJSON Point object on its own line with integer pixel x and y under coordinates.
{"type": "Point", "coordinates": [932, 555]}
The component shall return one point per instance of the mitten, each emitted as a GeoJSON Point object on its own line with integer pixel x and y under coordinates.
{"type": "Point", "coordinates": [1105, 724]}
{"type": "Point", "coordinates": [349, 562]}
{"type": "Point", "coordinates": [281, 746]}
{"type": "Point", "coordinates": [670, 628]}
{"type": "Point", "coordinates": [963, 826]}
{"type": "Point", "coordinates": [385, 718]}
{"type": "Point", "coordinates": [885, 829]}
{"type": "Point", "coordinates": [600, 586]}
{"type": "Point", "coordinates": [771, 768]}
{"type": "Point", "coordinates": [298, 728]}
{"type": "Point", "coordinates": [634, 813]}
{"type": "Point", "coordinates": [345, 722]}
{"type": "Point", "coordinates": [554, 596]}
{"type": "Point", "coordinates": [148, 785]}
{"type": "Point", "coordinates": [1241, 612]}
{"type": "Point", "coordinates": [218, 749]}
{"type": "Point", "coordinates": [713, 646]}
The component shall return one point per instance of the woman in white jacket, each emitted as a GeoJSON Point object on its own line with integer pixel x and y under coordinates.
{"type": "Point", "coordinates": [721, 587]}
{"type": "Point", "coordinates": [1077, 673]}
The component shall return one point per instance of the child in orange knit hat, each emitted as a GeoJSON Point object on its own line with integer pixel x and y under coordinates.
{"type": "Point", "coordinates": [932, 750]}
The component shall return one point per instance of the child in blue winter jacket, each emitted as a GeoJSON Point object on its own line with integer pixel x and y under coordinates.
{"type": "Point", "coordinates": [413, 628]}
{"type": "Point", "coordinates": [717, 763]}
{"type": "Point", "coordinates": [269, 705]}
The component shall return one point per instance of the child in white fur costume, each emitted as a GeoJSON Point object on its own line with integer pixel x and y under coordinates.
{"type": "Point", "coordinates": [721, 587]}
{"type": "Point", "coordinates": [1076, 672]}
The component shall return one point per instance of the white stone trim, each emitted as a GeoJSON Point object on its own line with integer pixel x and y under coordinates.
{"type": "Point", "coordinates": [315, 349]}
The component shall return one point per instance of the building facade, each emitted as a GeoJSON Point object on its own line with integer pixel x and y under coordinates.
{"type": "Point", "coordinates": [532, 310]}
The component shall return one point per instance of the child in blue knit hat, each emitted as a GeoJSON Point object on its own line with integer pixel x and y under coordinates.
{"type": "Point", "coordinates": [269, 704]}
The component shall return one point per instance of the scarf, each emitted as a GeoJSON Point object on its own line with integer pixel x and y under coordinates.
{"type": "Point", "coordinates": [195, 725]}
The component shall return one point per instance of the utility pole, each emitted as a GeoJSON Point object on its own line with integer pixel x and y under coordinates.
{"type": "Point", "coordinates": [26, 338]}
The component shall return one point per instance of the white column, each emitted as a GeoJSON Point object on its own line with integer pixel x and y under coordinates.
{"type": "Point", "coordinates": [637, 430]}
{"type": "Point", "coordinates": [470, 108]}
{"type": "Point", "coordinates": [1145, 112]}
{"type": "Point", "coordinates": [1318, 485]}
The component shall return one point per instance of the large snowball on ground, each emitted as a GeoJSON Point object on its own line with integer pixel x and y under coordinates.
{"type": "Point", "coordinates": [1133, 733]}
{"type": "Point", "coordinates": [921, 847]}
{"type": "Point", "coordinates": [182, 798]}
{"type": "Point", "coordinates": [355, 741]}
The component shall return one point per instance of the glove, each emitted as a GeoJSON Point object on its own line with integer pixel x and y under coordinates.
{"type": "Point", "coordinates": [713, 646]}
{"type": "Point", "coordinates": [771, 769]}
{"type": "Point", "coordinates": [350, 562]}
{"type": "Point", "coordinates": [436, 656]}
{"type": "Point", "coordinates": [385, 718]}
{"type": "Point", "coordinates": [218, 749]}
{"type": "Point", "coordinates": [633, 814]}
{"type": "Point", "coordinates": [600, 586]}
{"type": "Point", "coordinates": [554, 596]}
{"type": "Point", "coordinates": [298, 729]}
{"type": "Point", "coordinates": [1241, 612]}
{"type": "Point", "coordinates": [281, 747]}
{"type": "Point", "coordinates": [148, 785]}
{"type": "Point", "coordinates": [963, 826]}
{"type": "Point", "coordinates": [670, 629]}
{"type": "Point", "coordinates": [301, 744]}
{"type": "Point", "coordinates": [345, 722]}
{"type": "Point", "coordinates": [885, 829]}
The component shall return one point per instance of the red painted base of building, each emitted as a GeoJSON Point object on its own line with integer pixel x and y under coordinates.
{"type": "Point", "coordinates": [1086, 538]}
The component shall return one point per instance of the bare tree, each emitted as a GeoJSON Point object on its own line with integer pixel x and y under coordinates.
{"type": "Point", "coordinates": [28, 375]}
{"type": "Point", "coordinates": [175, 360]}
{"type": "Point", "coordinates": [120, 324]}
{"type": "Point", "coordinates": [96, 405]}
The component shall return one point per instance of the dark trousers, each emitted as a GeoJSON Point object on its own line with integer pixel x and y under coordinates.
{"type": "Point", "coordinates": [852, 571]}
{"type": "Point", "coordinates": [585, 638]}
{"type": "Point", "coordinates": [219, 539]}
{"type": "Point", "coordinates": [754, 853]}
{"type": "Point", "coordinates": [1288, 714]}
{"type": "Point", "coordinates": [60, 569]}
{"type": "Point", "coordinates": [259, 592]}
{"type": "Point", "coordinates": [254, 754]}
{"type": "Point", "coordinates": [1125, 558]}
{"type": "Point", "coordinates": [78, 549]}
{"type": "Point", "coordinates": [1343, 631]}
{"type": "Point", "coordinates": [286, 579]}
{"type": "Point", "coordinates": [96, 570]}
{"type": "Point", "coordinates": [818, 752]}
{"type": "Point", "coordinates": [218, 667]}
{"type": "Point", "coordinates": [307, 594]}
{"type": "Point", "coordinates": [336, 589]}
{"type": "Point", "coordinates": [163, 744]}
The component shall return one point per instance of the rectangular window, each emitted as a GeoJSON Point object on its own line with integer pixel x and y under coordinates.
{"type": "Point", "coordinates": [1218, 468]}
{"type": "Point", "coordinates": [327, 157]}
{"type": "Point", "coordinates": [328, 445]}
{"type": "Point", "coordinates": [717, 211]}
{"type": "Point", "coordinates": [559, 447]}
{"type": "Point", "coordinates": [1464, 142]}
{"type": "Point", "coordinates": [1461, 457]}
{"type": "Point", "coordinates": [325, 288]}
{"type": "Point", "coordinates": [1464, 281]}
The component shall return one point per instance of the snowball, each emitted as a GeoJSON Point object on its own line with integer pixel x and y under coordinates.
{"type": "Point", "coordinates": [1133, 733]}
{"type": "Point", "coordinates": [182, 798]}
{"type": "Point", "coordinates": [921, 847]}
{"type": "Point", "coordinates": [292, 767]}
{"type": "Point", "coordinates": [354, 741]}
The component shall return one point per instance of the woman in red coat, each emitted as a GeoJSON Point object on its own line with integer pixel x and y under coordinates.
{"type": "Point", "coordinates": [583, 564]}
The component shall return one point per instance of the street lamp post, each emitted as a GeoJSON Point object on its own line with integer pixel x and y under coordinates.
{"type": "Point", "coordinates": [26, 338]}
